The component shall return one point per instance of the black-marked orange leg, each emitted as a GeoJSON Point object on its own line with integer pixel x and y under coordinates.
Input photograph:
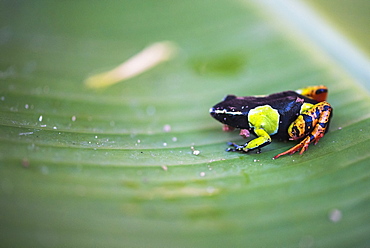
{"type": "Point", "coordinates": [320, 127]}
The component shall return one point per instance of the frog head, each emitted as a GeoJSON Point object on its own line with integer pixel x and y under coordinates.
{"type": "Point", "coordinates": [231, 111]}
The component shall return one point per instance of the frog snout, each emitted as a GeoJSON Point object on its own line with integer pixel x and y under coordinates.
{"type": "Point", "coordinates": [213, 112]}
{"type": "Point", "coordinates": [217, 112]}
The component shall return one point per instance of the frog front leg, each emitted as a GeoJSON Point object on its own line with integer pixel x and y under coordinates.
{"type": "Point", "coordinates": [263, 139]}
{"type": "Point", "coordinates": [227, 128]}
{"type": "Point", "coordinates": [311, 125]}
{"type": "Point", "coordinates": [243, 132]}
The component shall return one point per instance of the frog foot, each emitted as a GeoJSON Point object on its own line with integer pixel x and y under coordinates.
{"type": "Point", "coordinates": [303, 145]}
{"type": "Point", "coordinates": [227, 128]}
{"type": "Point", "coordinates": [236, 147]}
{"type": "Point", "coordinates": [244, 133]}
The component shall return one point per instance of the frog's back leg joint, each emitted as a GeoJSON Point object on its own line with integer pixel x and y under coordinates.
{"type": "Point", "coordinates": [319, 93]}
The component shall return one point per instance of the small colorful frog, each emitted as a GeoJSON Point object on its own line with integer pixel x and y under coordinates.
{"type": "Point", "coordinates": [288, 115]}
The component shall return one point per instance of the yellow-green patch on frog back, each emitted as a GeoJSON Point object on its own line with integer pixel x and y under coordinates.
{"type": "Point", "coordinates": [264, 117]}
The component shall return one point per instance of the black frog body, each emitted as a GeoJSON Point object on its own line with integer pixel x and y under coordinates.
{"type": "Point", "coordinates": [288, 115]}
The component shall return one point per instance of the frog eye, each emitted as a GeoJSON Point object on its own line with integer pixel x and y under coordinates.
{"type": "Point", "coordinates": [229, 97]}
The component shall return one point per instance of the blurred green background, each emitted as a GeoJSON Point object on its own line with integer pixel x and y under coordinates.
{"type": "Point", "coordinates": [349, 17]}
{"type": "Point", "coordinates": [114, 167]}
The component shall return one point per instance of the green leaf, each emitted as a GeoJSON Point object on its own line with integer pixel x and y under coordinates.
{"type": "Point", "coordinates": [114, 167]}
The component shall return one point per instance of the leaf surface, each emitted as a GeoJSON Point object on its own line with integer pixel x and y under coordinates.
{"type": "Point", "coordinates": [114, 167]}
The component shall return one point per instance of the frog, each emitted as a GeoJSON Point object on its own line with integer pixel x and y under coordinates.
{"type": "Point", "coordinates": [302, 115]}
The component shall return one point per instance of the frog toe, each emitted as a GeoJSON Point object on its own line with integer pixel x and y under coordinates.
{"type": "Point", "coordinates": [236, 147]}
